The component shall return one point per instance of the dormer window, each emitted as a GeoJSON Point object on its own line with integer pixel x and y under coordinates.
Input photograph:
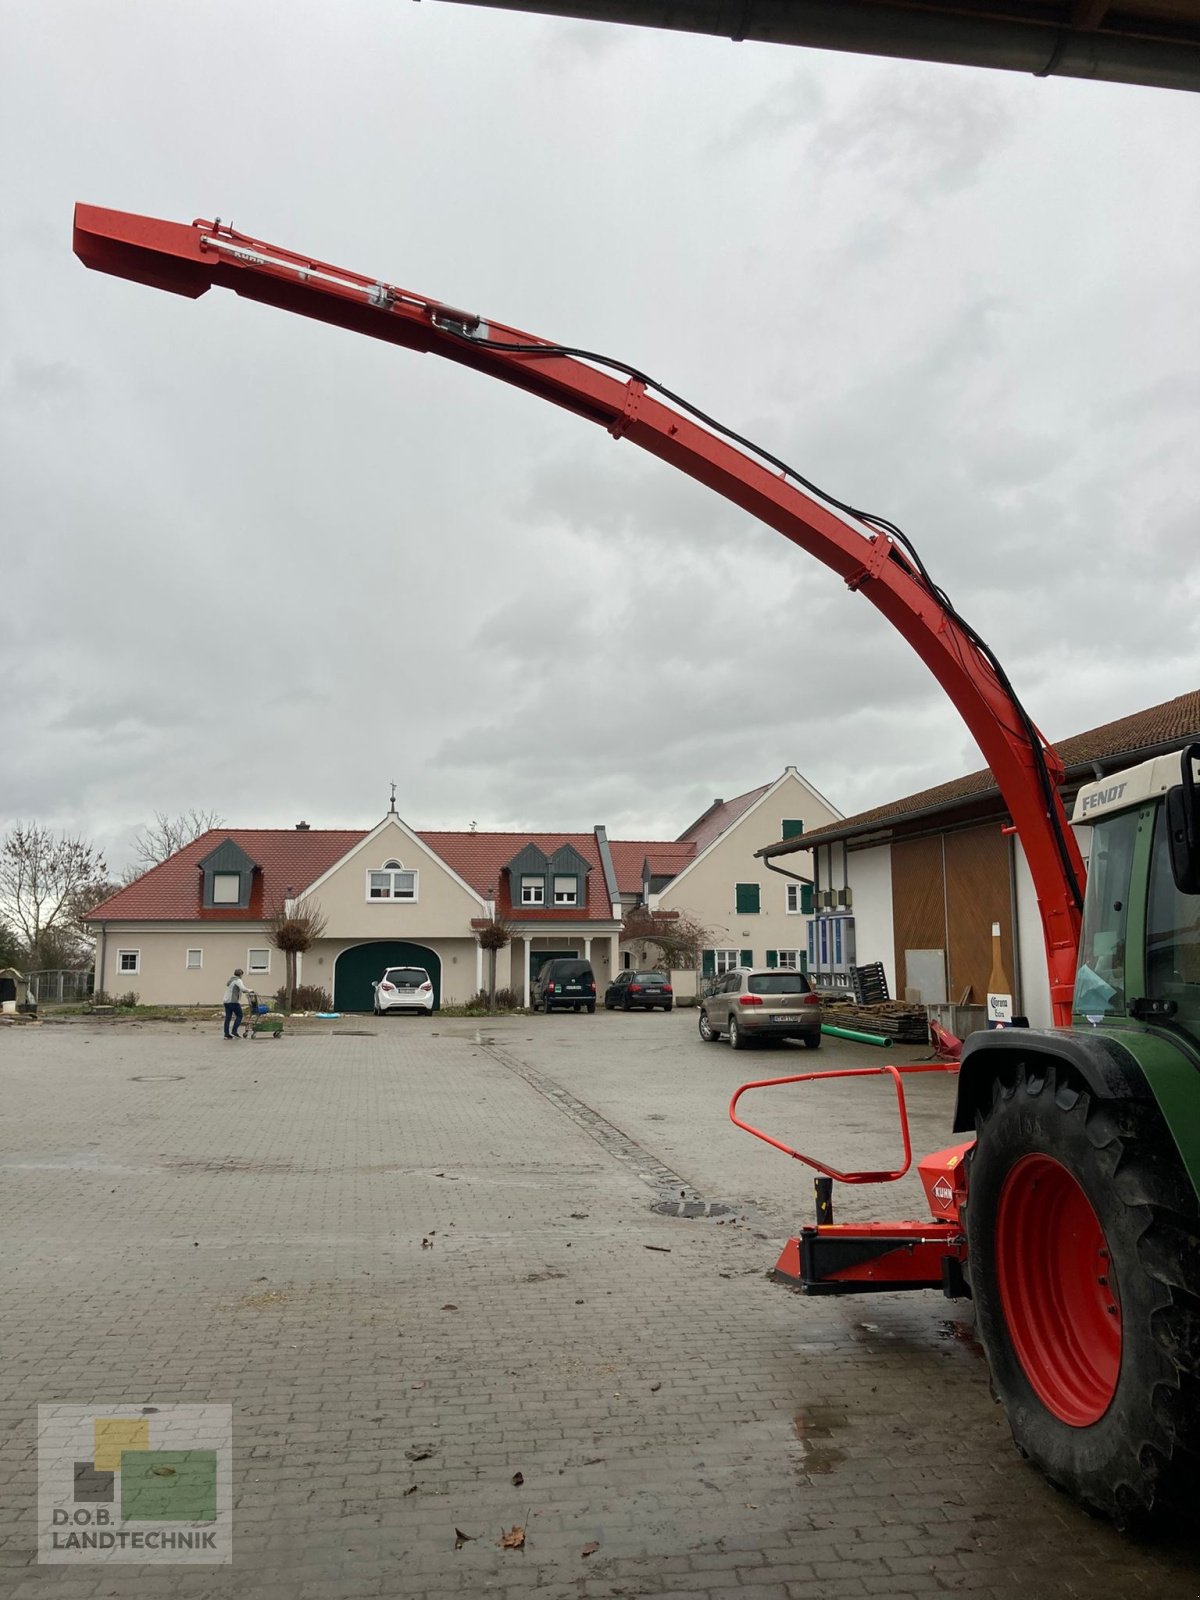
{"type": "Point", "coordinates": [228, 878]}
{"type": "Point", "coordinates": [566, 890]}
{"type": "Point", "coordinates": [533, 890]}
{"type": "Point", "coordinates": [392, 881]}
{"type": "Point", "coordinates": [226, 888]}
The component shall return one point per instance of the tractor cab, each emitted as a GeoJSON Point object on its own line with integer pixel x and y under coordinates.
{"type": "Point", "coordinates": [1139, 951]}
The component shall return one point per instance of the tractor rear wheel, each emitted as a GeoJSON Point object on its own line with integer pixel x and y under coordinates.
{"type": "Point", "coordinates": [1084, 1261]}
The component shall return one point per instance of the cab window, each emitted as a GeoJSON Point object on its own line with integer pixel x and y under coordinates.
{"type": "Point", "coordinates": [1172, 936]}
{"type": "Point", "coordinates": [1100, 978]}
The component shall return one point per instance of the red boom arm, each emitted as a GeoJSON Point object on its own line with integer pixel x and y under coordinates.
{"type": "Point", "coordinates": [189, 260]}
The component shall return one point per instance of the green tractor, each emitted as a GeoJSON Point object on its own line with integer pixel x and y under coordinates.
{"type": "Point", "coordinates": [1081, 1214]}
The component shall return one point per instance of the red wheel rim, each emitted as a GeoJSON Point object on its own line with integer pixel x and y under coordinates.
{"type": "Point", "coordinates": [1058, 1290]}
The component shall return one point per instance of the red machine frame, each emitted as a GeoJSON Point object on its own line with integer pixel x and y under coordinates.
{"type": "Point", "coordinates": [190, 259]}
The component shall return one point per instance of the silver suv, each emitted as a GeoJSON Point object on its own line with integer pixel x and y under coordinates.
{"type": "Point", "coordinates": [761, 1003]}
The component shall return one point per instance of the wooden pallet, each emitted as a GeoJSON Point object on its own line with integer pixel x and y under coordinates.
{"type": "Point", "coordinates": [893, 1019]}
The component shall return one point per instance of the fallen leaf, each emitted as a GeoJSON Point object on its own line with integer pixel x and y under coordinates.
{"type": "Point", "coordinates": [422, 1383]}
{"type": "Point", "coordinates": [518, 1478]}
{"type": "Point", "coordinates": [412, 1489]}
{"type": "Point", "coordinates": [579, 1216]}
{"type": "Point", "coordinates": [655, 1387]}
{"type": "Point", "coordinates": [461, 1538]}
{"type": "Point", "coordinates": [514, 1539]}
{"type": "Point", "coordinates": [663, 1249]}
{"type": "Point", "coordinates": [590, 1549]}
{"type": "Point", "coordinates": [419, 1452]}
{"type": "Point", "coordinates": [426, 1244]}
{"type": "Point", "coordinates": [449, 1308]}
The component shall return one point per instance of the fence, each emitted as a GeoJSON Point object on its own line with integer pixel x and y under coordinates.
{"type": "Point", "coordinates": [59, 987]}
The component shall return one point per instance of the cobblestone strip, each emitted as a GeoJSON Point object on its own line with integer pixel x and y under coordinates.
{"type": "Point", "coordinates": [668, 1184]}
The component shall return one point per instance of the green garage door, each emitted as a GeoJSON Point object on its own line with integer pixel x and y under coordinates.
{"type": "Point", "coordinates": [357, 971]}
{"type": "Point", "coordinates": [539, 958]}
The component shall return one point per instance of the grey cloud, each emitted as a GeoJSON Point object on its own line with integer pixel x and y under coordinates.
{"type": "Point", "coordinates": [237, 536]}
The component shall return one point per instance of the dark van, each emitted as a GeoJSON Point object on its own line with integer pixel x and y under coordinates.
{"type": "Point", "coordinates": [564, 983]}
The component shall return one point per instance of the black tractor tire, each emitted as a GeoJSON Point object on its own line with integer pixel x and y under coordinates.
{"type": "Point", "coordinates": [708, 1033]}
{"type": "Point", "coordinates": [1137, 1462]}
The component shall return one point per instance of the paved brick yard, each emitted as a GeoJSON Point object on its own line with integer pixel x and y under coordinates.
{"type": "Point", "coordinates": [418, 1258]}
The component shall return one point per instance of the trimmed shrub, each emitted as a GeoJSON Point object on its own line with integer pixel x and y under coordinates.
{"type": "Point", "coordinates": [308, 997]}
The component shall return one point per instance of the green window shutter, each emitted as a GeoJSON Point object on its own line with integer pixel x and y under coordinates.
{"type": "Point", "coordinates": [772, 958]}
{"type": "Point", "coordinates": [747, 958]}
{"type": "Point", "coordinates": [746, 898]}
{"type": "Point", "coordinates": [792, 829]}
{"type": "Point", "coordinates": [708, 963]}
{"type": "Point", "coordinates": [806, 899]}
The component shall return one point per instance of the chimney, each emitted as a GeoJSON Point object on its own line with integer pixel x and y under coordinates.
{"type": "Point", "coordinates": [302, 827]}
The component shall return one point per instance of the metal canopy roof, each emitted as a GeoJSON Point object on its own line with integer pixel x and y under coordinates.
{"type": "Point", "coordinates": [1150, 42]}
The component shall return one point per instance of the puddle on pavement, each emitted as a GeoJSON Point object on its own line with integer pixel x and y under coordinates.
{"type": "Point", "coordinates": [814, 1428]}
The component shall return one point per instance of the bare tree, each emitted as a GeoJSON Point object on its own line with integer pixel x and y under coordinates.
{"type": "Point", "coordinates": [676, 935]}
{"type": "Point", "coordinates": [45, 878]}
{"type": "Point", "coordinates": [293, 932]}
{"type": "Point", "coordinates": [493, 935]}
{"type": "Point", "coordinates": [165, 835]}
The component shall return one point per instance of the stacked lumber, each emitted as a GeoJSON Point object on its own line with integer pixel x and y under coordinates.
{"type": "Point", "coordinates": [893, 1019]}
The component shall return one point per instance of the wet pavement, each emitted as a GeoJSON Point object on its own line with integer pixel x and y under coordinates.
{"type": "Point", "coordinates": [456, 1279]}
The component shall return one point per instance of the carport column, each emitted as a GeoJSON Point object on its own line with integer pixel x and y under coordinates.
{"type": "Point", "coordinates": [478, 967]}
{"type": "Point", "coordinates": [587, 948]}
{"type": "Point", "coordinates": [527, 942]}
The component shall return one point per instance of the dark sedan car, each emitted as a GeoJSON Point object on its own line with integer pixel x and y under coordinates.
{"type": "Point", "coordinates": [629, 989]}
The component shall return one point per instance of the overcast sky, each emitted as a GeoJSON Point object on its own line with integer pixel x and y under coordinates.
{"type": "Point", "coordinates": [260, 566]}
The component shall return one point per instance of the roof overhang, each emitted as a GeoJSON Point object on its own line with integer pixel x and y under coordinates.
{"type": "Point", "coordinates": [977, 806]}
{"type": "Point", "coordinates": [1155, 43]}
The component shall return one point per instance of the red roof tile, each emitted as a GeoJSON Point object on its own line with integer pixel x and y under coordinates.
{"type": "Point", "coordinates": [290, 858]}
{"type": "Point", "coordinates": [480, 858]}
{"type": "Point", "coordinates": [719, 817]}
{"type": "Point", "coordinates": [293, 858]}
{"type": "Point", "coordinates": [629, 856]}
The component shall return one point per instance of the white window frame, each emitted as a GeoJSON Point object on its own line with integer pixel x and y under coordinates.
{"type": "Point", "coordinates": [220, 878]}
{"type": "Point", "coordinates": [792, 900]}
{"type": "Point", "coordinates": [725, 961]}
{"type": "Point", "coordinates": [533, 888]}
{"type": "Point", "coordinates": [193, 966]}
{"type": "Point", "coordinates": [566, 897]}
{"type": "Point", "coordinates": [393, 870]}
{"type": "Point", "coordinates": [129, 972]}
{"type": "Point", "coordinates": [788, 959]}
{"type": "Point", "coordinates": [261, 950]}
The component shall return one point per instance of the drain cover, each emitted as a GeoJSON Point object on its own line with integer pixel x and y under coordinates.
{"type": "Point", "coordinates": [691, 1208]}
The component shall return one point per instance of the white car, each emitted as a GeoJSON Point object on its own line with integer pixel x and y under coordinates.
{"type": "Point", "coordinates": [404, 989]}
